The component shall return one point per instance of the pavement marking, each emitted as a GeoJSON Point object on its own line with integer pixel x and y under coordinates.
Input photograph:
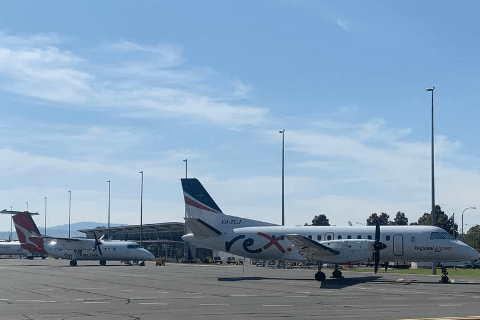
{"type": "Point", "coordinates": [143, 298]}
{"type": "Point", "coordinates": [96, 302]}
{"type": "Point", "coordinates": [35, 301]}
{"type": "Point", "coordinates": [127, 290]}
{"type": "Point", "coordinates": [156, 303]}
{"type": "Point", "coordinates": [296, 296]}
{"type": "Point", "coordinates": [451, 305]}
{"type": "Point", "coordinates": [277, 305]}
{"type": "Point", "coordinates": [92, 289]}
{"type": "Point", "coordinates": [214, 304]}
{"type": "Point", "coordinates": [243, 295]}
{"type": "Point", "coordinates": [45, 289]}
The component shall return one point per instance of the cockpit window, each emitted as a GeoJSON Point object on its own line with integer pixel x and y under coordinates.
{"type": "Point", "coordinates": [447, 235]}
{"type": "Point", "coordinates": [436, 235]}
{"type": "Point", "coordinates": [133, 246]}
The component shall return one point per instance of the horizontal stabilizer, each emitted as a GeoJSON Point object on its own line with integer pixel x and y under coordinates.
{"type": "Point", "coordinates": [200, 228]}
{"type": "Point", "coordinates": [310, 249]}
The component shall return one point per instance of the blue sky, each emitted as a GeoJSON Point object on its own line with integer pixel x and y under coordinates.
{"type": "Point", "coordinates": [94, 91]}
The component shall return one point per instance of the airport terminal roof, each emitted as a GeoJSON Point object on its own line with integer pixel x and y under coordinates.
{"type": "Point", "coordinates": [167, 232]}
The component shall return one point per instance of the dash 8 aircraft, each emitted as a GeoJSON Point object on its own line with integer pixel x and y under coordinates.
{"type": "Point", "coordinates": [74, 249]}
{"type": "Point", "coordinates": [211, 228]}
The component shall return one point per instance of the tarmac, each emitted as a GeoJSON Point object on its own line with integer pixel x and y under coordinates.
{"type": "Point", "coordinates": [51, 289]}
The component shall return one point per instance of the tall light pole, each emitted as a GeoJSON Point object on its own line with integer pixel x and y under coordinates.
{"type": "Point", "coordinates": [11, 224]}
{"type": "Point", "coordinates": [27, 205]}
{"type": "Point", "coordinates": [434, 264]}
{"type": "Point", "coordinates": [433, 163]}
{"type": "Point", "coordinates": [186, 167]}
{"type": "Point", "coordinates": [69, 210]}
{"type": "Point", "coordinates": [283, 176]}
{"type": "Point", "coordinates": [108, 228]}
{"type": "Point", "coordinates": [463, 212]}
{"type": "Point", "coordinates": [141, 211]}
{"type": "Point", "coordinates": [45, 215]}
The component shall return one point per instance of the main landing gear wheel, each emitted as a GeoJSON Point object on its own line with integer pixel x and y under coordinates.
{"type": "Point", "coordinates": [73, 263]}
{"type": "Point", "coordinates": [142, 264]}
{"type": "Point", "coordinates": [103, 262]}
{"type": "Point", "coordinates": [444, 278]}
{"type": "Point", "coordinates": [320, 276]}
{"type": "Point", "coordinates": [336, 274]}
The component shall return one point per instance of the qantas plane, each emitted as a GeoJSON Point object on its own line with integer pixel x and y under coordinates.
{"type": "Point", "coordinates": [211, 228]}
{"type": "Point", "coordinates": [13, 248]}
{"type": "Point", "coordinates": [75, 249]}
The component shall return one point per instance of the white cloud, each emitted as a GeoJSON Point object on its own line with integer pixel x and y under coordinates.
{"type": "Point", "coordinates": [344, 24]}
{"type": "Point", "coordinates": [42, 71]}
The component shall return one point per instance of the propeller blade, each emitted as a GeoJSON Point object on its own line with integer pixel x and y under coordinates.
{"type": "Point", "coordinates": [97, 243]}
{"type": "Point", "coordinates": [99, 250]}
{"type": "Point", "coordinates": [376, 246]}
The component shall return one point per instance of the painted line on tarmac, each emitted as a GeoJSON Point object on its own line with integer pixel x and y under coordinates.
{"type": "Point", "coordinates": [214, 304]}
{"type": "Point", "coordinates": [155, 303]}
{"type": "Point", "coordinates": [49, 301]}
{"type": "Point", "coordinates": [277, 305]}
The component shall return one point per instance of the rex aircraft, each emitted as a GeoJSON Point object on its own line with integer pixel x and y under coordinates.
{"type": "Point", "coordinates": [211, 228]}
{"type": "Point", "coordinates": [75, 249]}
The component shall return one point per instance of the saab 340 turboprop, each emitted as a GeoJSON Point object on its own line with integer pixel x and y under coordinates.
{"type": "Point", "coordinates": [211, 228]}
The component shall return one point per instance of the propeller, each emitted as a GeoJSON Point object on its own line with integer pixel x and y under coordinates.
{"type": "Point", "coordinates": [377, 246]}
{"type": "Point", "coordinates": [98, 242]}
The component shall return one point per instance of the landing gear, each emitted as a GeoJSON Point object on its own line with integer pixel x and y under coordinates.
{"type": "Point", "coordinates": [103, 262]}
{"type": "Point", "coordinates": [444, 278]}
{"type": "Point", "coordinates": [336, 274]}
{"type": "Point", "coordinates": [320, 276]}
{"type": "Point", "coordinates": [73, 263]}
{"type": "Point", "coordinates": [142, 264]}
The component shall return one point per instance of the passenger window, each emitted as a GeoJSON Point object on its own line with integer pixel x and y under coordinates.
{"type": "Point", "coordinates": [319, 237]}
{"type": "Point", "coordinates": [339, 237]}
{"type": "Point", "coordinates": [387, 238]}
{"type": "Point", "coordinates": [349, 237]}
{"type": "Point", "coordinates": [369, 237]}
{"type": "Point", "coordinates": [310, 237]}
{"type": "Point", "coordinates": [329, 237]}
{"type": "Point", "coordinates": [412, 239]}
{"type": "Point", "coordinates": [436, 235]}
{"type": "Point", "coordinates": [359, 237]}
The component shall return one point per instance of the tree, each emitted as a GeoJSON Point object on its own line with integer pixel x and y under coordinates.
{"type": "Point", "coordinates": [320, 220]}
{"type": "Point", "coordinates": [472, 238]}
{"type": "Point", "coordinates": [383, 219]}
{"type": "Point", "coordinates": [400, 219]}
{"type": "Point", "coordinates": [442, 221]}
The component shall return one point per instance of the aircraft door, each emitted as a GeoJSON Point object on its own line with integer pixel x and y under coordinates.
{"type": "Point", "coordinates": [329, 236]}
{"type": "Point", "coordinates": [398, 245]}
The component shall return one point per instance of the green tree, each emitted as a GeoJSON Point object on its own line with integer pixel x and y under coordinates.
{"type": "Point", "coordinates": [383, 219]}
{"type": "Point", "coordinates": [472, 238]}
{"type": "Point", "coordinates": [442, 221]}
{"type": "Point", "coordinates": [400, 219]}
{"type": "Point", "coordinates": [320, 220]}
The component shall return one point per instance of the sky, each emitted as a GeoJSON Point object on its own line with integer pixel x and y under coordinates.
{"type": "Point", "coordinates": [97, 91]}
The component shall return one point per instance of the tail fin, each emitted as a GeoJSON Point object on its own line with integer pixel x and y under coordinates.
{"type": "Point", "coordinates": [199, 204]}
{"type": "Point", "coordinates": [27, 232]}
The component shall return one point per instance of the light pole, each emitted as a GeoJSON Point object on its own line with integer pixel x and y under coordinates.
{"type": "Point", "coordinates": [433, 163]}
{"type": "Point", "coordinates": [69, 210]}
{"type": "Point", "coordinates": [463, 212]}
{"type": "Point", "coordinates": [11, 224]}
{"type": "Point", "coordinates": [141, 211]}
{"type": "Point", "coordinates": [283, 175]}
{"type": "Point", "coordinates": [27, 205]}
{"type": "Point", "coordinates": [186, 162]}
{"type": "Point", "coordinates": [45, 215]}
{"type": "Point", "coordinates": [108, 228]}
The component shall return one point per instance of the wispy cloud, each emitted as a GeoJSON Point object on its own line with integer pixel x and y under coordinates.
{"type": "Point", "coordinates": [344, 24]}
{"type": "Point", "coordinates": [46, 72]}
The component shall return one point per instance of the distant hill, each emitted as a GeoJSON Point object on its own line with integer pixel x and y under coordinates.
{"type": "Point", "coordinates": [62, 230]}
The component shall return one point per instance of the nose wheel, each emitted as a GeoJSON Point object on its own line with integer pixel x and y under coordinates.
{"type": "Point", "coordinates": [444, 277]}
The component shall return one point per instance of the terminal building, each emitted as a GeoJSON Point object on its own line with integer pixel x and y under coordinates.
{"type": "Point", "coordinates": [164, 240]}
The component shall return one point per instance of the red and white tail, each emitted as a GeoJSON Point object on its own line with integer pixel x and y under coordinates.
{"type": "Point", "coordinates": [27, 232]}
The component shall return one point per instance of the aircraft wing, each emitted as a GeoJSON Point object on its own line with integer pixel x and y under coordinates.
{"type": "Point", "coordinates": [72, 243]}
{"type": "Point", "coordinates": [310, 249]}
{"type": "Point", "coordinates": [200, 228]}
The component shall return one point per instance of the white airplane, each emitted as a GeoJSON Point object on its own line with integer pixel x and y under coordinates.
{"type": "Point", "coordinates": [13, 248]}
{"type": "Point", "coordinates": [211, 228]}
{"type": "Point", "coordinates": [75, 249]}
